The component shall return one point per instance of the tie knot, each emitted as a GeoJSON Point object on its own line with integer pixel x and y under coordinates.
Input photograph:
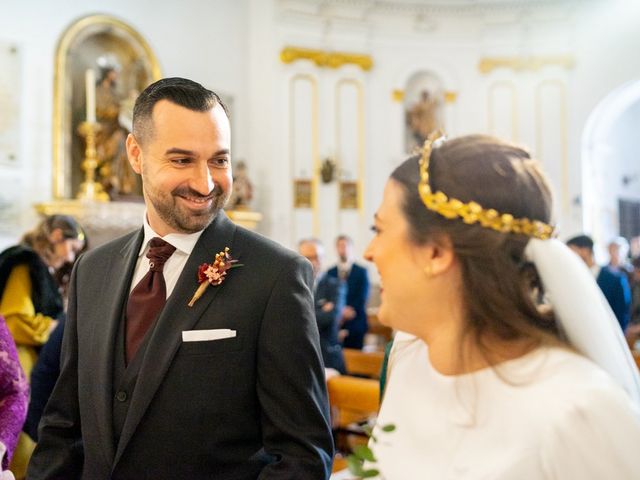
{"type": "Point", "coordinates": [159, 252]}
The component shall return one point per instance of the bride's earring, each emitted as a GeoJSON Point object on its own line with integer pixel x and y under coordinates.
{"type": "Point", "coordinates": [428, 270]}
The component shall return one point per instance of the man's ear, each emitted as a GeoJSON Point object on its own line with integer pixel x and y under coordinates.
{"type": "Point", "coordinates": [134, 153]}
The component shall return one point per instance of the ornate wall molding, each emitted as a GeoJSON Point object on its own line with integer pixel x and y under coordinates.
{"type": "Point", "coordinates": [450, 97]}
{"type": "Point", "coordinates": [302, 78]}
{"type": "Point", "coordinates": [362, 9]}
{"type": "Point", "coordinates": [563, 133]}
{"type": "Point", "coordinates": [397, 95]}
{"type": "Point", "coordinates": [510, 87]}
{"type": "Point", "coordinates": [488, 64]}
{"type": "Point", "coordinates": [339, 115]}
{"type": "Point", "coordinates": [326, 59]}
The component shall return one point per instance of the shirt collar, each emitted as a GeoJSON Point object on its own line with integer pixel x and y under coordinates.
{"type": "Point", "coordinates": [182, 241]}
{"type": "Point", "coordinates": [345, 266]}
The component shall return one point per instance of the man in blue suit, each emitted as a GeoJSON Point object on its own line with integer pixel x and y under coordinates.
{"type": "Point", "coordinates": [354, 314]}
{"type": "Point", "coordinates": [614, 284]}
{"type": "Point", "coordinates": [329, 295]}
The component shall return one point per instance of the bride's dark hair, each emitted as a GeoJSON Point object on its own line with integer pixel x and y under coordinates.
{"type": "Point", "coordinates": [501, 290]}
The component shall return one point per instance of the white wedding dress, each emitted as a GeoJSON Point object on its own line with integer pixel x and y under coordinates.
{"type": "Point", "coordinates": [551, 414]}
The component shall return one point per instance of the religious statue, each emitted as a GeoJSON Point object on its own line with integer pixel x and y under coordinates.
{"type": "Point", "coordinates": [114, 171]}
{"type": "Point", "coordinates": [422, 117]}
{"type": "Point", "coordinates": [327, 170]}
{"type": "Point", "coordinates": [242, 192]}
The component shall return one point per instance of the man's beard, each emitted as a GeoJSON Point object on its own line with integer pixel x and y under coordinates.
{"type": "Point", "coordinates": [181, 218]}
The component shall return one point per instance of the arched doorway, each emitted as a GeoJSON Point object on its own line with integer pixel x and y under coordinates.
{"type": "Point", "coordinates": [611, 164]}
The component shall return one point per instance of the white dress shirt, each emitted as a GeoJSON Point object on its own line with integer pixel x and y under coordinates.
{"type": "Point", "coordinates": [344, 269]}
{"type": "Point", "coordinates": [184, 244]}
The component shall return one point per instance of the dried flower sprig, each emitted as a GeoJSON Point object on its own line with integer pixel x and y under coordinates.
{"type": "Point", "coordinates": [214, 273]}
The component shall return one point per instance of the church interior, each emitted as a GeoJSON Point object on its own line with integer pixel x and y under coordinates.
{"type": "Point", "coordinates": [311, 81]}
{"type": "Point", "coordinates": [325, 99]}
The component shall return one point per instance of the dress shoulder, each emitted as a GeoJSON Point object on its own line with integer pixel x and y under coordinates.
{"type": "Point", "coordinates": [593, 432]}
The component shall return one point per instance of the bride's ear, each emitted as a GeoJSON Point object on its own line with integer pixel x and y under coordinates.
{"type": "Point", "coordinates": [436, 257]}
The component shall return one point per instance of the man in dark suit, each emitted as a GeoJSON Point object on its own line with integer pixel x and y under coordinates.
{"type": "Point", "coordinates": [231, 387]}
{"type": "Point", "coordinates": [614, 284]}
{"type": "Point", "coordinates": [329, 297]}
{"type": "Point", "coordinates": [354, 314]}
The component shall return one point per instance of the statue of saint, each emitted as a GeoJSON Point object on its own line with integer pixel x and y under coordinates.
{"type": "Point", "coordinates": [242, 192]}
{"type": "Point", "coordinates": [114, 171]}
{"type": "Point", "coordinates": [422, 117]}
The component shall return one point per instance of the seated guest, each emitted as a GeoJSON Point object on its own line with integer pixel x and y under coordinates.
{"type": "Point", "coordinates": [46, 370]}
{"type": "Point", "coordinates": [14, 394]}
{"type": "Point", "coordinates": [635, 292]}
{"type": "Point", "coordinates": [354, 315]}
{"type": "Point", "coordinates": [30, 297]}
{"type": "Point", "coordinates": [633, 330]}
{"type": "Point", "coordinates": [613, 283]}
{"type": "Point", "coordinates": [618, 249]}
{"type": "Point", "coordinates": [484, 380]}
{"type": "Point", "coordinates": [43, 378]}
{"type": "Point", "coordinates": [329, 298]}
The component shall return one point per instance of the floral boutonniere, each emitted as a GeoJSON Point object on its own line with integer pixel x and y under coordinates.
{"type": "Point", "coordinates": [214, 273]}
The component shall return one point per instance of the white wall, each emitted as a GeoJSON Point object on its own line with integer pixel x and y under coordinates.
{"type": "Point", "coordinates": [198, 39]}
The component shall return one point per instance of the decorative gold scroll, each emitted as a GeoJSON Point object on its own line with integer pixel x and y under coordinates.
{"type": "Point", "coordinates": [488, 64]}
{"type": "Point", "coordinates": [326, 59]}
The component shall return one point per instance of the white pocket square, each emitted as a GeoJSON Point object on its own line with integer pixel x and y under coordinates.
{"type": "Point", "coordinates": [207, 335]}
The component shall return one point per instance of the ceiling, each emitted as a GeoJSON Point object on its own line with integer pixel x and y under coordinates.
{"type": "Point", "coordinates": [424, 6]}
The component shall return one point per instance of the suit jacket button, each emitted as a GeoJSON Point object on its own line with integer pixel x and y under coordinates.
{"type": "Point", "coordinates": [121, 396]}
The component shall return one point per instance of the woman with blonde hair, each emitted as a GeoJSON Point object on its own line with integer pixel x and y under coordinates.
{"type": "Point", "coordinates": [508, 362]}
{"type": "Point", "coordinates": [30, 297]}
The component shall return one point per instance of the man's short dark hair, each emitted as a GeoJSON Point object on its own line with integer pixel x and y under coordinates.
{"type": "Point", "coordinates": [344, 237]}
{"type": "Point", "coordinates": [581, 241]}
{"type": "Point", "coordinates": [181, 91]}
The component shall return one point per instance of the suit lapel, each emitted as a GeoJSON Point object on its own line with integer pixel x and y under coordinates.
{"type": "Point", "coordinates": [121, 267]}
{"type": "Point", "coordinates": [176, 317]}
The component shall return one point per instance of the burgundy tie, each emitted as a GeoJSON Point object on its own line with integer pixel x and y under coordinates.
{"type": "Point", "coordinates": [148, 297]}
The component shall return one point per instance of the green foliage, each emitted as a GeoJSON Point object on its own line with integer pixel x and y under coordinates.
{"type": "Point", "coordinates": [362, 454]}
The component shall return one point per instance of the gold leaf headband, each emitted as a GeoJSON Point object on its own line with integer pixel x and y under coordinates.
{"type": "Point", "coordinates": [472, 212]}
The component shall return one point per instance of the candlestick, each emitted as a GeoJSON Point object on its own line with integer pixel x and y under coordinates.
{"type": "Point", "coordinates": [90, 87]}
{"type": "Point", "coordinates": [90, 189]}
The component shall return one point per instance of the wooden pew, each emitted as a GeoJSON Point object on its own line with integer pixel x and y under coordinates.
{"type": "Point", "coordinates": [367, 364]}
{"type": "Point", "coordinates": [636, 357]}
{"type": "Point", "coordinates": [352, 400]}
{"type": "Point", "coordinates": [376, 328]}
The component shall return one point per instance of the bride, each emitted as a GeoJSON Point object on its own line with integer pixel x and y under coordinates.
{"type": "Point", "coordinates": [508, 363]}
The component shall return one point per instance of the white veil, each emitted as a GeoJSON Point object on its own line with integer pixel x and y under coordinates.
{"type": "Point", "coordinates": [583, 312]}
